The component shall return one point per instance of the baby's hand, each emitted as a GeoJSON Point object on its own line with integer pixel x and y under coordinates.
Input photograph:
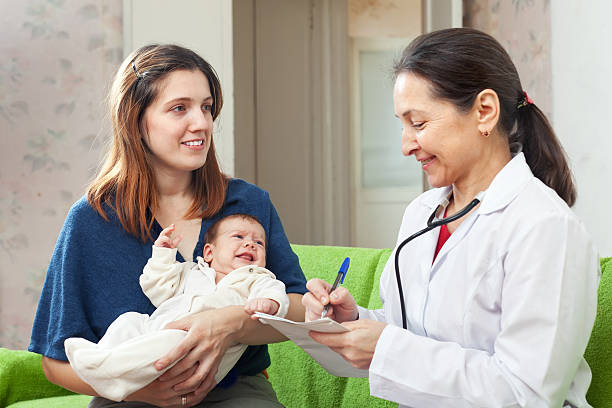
{"type": "Point", "coordinates": [262, 305]}
{"type": "Point", "coordinates": [164, 239]}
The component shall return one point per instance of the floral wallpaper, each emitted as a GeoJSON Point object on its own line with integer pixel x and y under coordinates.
{"type": "Point", "coordinates": [523, 27]}
{"type": "Point", "coordinates": [57, 60]}
{"type": "Point", "coordinates": [384, 18]}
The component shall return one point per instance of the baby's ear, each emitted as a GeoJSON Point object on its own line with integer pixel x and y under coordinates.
{"type": "Point", "coordinates": [207, 253]}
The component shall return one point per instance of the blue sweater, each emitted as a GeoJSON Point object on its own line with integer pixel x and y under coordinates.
{"type": "Point", "coordinates": [93, 273]}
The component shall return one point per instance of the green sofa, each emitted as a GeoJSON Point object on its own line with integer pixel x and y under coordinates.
{"type": "Point", "coordinates": [298, 381]}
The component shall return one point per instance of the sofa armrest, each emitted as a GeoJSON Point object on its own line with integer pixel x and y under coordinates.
{"type": "Point", "coordinates": [598, 353]}
{"type": "Point", "coordinates": [22, 378]}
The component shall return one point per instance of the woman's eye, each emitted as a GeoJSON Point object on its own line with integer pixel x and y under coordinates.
{"type": "Point", "coordinates": [418, 125]}
{"type": "Point", "coordinates": [207, 107]}
{"type": "Point", "coordinates": [178, 108]}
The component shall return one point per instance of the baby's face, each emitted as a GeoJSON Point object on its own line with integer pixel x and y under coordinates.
{"type": "Point", "coordinates": [239, 242]}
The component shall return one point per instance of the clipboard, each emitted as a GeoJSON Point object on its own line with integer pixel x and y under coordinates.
{"type": "Point", "coordinates": [297, 332]}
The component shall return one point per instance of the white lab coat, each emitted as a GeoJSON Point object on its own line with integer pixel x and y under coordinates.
{"type": "Point", "coordinates": [503, 315]}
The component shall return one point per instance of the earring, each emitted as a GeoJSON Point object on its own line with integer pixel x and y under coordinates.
{"type": "Point", "coordinates": [485, 133]}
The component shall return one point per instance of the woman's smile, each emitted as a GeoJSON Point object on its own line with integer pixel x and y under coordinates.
{"type": "Point", "coordinates": [194, 144]}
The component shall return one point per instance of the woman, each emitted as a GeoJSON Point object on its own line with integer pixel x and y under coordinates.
{"type": "Point", "coordinates": [161, 170]}
{"type": "Point", "coordinates": [499, 304]}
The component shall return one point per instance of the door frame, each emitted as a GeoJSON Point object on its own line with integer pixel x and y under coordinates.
{"type": "Point", "coordinates": [327, 171]}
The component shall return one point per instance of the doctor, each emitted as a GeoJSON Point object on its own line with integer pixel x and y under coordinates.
{"type": "Point", "coordinates": [500, 303]}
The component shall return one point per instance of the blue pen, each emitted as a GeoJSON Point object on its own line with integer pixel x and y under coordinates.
{"type": "Point", "coordinates": [339, 279]}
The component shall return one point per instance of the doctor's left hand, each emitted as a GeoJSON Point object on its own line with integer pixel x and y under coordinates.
{"type": "Point", "coordinates": [356, 346]}
{"type": "Point", "coordinates": [210, 334]}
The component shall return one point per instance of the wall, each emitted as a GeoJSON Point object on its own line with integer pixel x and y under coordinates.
{"type": "Point", "coordinates": [582, 105]}
{"type": "Point", "coordinates": [53, 124]}
{"type": "Point", "coordinates": [384, 18]}
{"type": "Point", "coordinates": [57, 59]}
{"type": "Point", "coordinates": [523, 28]}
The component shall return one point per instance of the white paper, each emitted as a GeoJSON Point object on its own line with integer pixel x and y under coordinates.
{"type": "Point", "coordinates": [331, 361]}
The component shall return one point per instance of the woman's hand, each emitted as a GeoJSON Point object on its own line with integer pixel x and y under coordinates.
{"type": "Point", "coordinates": [356, 346]}
{"type": "Point", "coordinates": [342, 304]}
{"type": "Point", "coordinates": [161, 393]}
{"type": "Point", "coordinates": [210, 334]}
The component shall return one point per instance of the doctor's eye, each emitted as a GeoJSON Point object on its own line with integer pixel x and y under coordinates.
{"type": "Point", "coordinates": [418, 125]}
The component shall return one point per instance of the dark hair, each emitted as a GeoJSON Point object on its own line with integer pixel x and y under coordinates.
{"type": "Point", "coordinates": [125, 181]}
{"type": "Point", "coordinates": [211, 233]}
{"type": "Point", "coordinates": [459, 63]}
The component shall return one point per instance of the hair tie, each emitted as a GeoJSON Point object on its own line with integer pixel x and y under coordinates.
{"type": "Point", "coordinates": [525, 101]}
{"type": "Point", "coordinates": [138, 74]}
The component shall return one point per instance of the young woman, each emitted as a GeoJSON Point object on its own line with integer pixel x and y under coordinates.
{"type": "Point", "coordinates": [161, 169]}
{"type": "Point", "coordinates": [496, 307]}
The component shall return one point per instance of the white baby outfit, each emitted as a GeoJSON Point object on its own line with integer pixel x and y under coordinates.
{"type": "Point", "coordinates": [122, 361]}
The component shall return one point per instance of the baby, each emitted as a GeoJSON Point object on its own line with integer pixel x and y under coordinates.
{"type": "Point", "coordinates": [230, 272]}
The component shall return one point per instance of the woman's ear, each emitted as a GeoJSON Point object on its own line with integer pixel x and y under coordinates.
{"type": "Point", "coordinates": [207, 254]}
{"type": "Point", "coordinates": [487, 112]}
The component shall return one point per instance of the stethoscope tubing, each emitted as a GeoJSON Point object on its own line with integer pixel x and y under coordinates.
{"type": "Point", "coordinates": [431, 224]}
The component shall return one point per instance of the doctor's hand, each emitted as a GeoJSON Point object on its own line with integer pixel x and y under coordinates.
{"type": "Point", "coordinates": [342, 304]}
{"type": "Point", "coordinates": [210, 334]}
{"type": "Point", "coordinates": [356, 346]}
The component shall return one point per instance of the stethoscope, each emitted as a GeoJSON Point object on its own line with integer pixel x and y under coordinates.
{"type": "Point", "coordinates": [431, 224]}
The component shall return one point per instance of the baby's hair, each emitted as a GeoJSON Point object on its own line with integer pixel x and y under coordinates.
{"type": "Point", "coordinates": [211, 234]}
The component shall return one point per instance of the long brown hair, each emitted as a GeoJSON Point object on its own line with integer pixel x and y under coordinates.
{"type": "Point", "coordinates": [125, 182]}
{"type": "Point", "coordinates": [461, 62]}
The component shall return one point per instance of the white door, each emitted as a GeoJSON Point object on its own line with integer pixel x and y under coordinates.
{"type": "Point", "coordinates": [384, 181]}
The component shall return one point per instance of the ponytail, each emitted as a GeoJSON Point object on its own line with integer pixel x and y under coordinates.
{"type": "Point", "coordinates": [543, 152]}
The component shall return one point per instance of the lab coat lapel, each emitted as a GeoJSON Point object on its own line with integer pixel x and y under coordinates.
{"type": "Point", "coordinates": [455, 238]}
